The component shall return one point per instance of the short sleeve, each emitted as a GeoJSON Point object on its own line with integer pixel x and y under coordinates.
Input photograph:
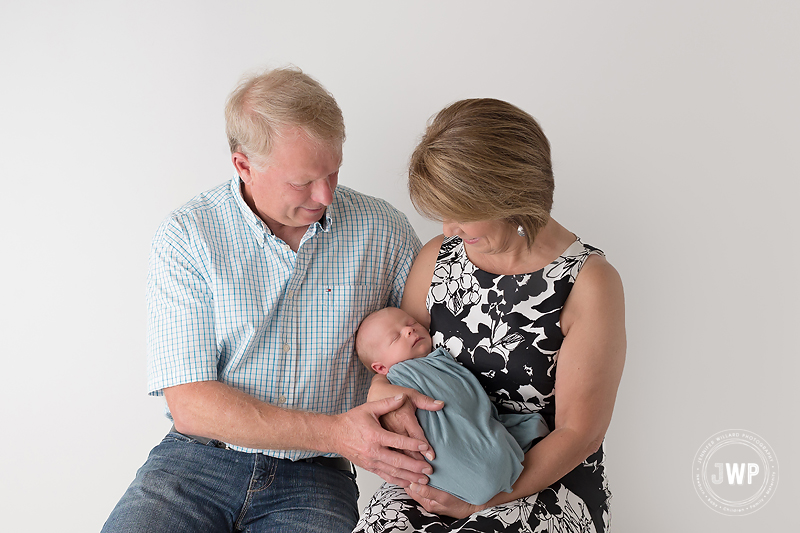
{"type": "Point", "coordinates": [181, 341]}
{"type": "Point", "coordinates": [409, 247]}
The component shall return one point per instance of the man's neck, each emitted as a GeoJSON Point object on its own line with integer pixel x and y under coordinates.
{"type": "Point", "coordinates": [291, 235]}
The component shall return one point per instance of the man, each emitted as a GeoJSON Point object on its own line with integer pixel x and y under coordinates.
{"type": "Point", "coordinates": [255, 290]}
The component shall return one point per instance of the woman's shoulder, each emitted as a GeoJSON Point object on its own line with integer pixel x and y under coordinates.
{"type": "Point", "coordinates": [574, 256]}
{"type": "Point", "coordinates": [598, 270]}
{"type": "Point", "coordinates": [435, 243]}
{"type": "Point", "coordinates": [599, 285]}
{"type": "Point", "coordinates": [430, 251]}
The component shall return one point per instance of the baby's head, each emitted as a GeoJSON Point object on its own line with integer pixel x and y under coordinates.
{"type": "Point", "coordinates": [389, 336]}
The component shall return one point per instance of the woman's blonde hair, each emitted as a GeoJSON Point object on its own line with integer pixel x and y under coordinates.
{"type": "Point", "coordinates": [483, 159]}
{"type": "Point", "coordinates": [263, 106]}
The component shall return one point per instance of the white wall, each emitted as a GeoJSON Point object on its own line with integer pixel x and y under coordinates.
{"type": "Point", "coordinates": [674, 128]}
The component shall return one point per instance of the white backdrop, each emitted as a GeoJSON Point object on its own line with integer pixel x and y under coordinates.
{"type": "Point", "coordinates": [674, 128]}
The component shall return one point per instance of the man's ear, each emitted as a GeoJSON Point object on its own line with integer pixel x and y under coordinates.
{"type": "Point", "coordinates": [379, 368]}
{"type": "Point", "coordinates": [242, 165]}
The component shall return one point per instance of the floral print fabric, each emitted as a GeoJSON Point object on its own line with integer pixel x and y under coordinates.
{"type": "Point", "coordinates": [506, 330]}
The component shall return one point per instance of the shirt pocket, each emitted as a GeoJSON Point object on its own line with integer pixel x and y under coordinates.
{"type": "Point", "coordinates": [341, 308]}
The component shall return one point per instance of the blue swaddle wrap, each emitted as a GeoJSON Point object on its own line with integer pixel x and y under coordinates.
{"type": "Point", "coordinates": [476, 455]}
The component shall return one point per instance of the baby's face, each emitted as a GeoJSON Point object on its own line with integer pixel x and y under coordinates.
{"type": "Point", "coordinates": [396, 336]}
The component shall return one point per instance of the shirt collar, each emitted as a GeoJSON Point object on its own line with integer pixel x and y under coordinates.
{"type": "Point", "coordinates": [323, 225]}
{"type": "Point", "coordinates": [260, 230]}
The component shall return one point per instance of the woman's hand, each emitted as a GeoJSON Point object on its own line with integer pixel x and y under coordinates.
{"type": "Point", "coordinates": [440, 502]}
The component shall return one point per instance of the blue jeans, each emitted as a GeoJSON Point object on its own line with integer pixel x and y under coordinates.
{"type": "Point", "coordinates": [185, 486]}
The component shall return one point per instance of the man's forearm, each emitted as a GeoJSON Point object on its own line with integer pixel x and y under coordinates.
{"type": "Point", "coordinates": [213, 410]}
{"type": "Point", "coordinates": [217, 411]}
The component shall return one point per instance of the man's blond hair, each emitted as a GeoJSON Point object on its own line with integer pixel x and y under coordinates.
{"type": "Point", "coordinates": [263, 107]}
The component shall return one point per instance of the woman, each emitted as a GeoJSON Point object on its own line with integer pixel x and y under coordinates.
{"type": "Point", "coordinates": [501, 291]}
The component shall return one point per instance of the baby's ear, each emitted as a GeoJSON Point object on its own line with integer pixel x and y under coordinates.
{"type": "Point", "coordinates": [379, 368]}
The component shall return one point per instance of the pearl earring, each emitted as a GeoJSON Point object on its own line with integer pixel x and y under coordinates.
{"type": "Point", "coordinates": [520, 231]}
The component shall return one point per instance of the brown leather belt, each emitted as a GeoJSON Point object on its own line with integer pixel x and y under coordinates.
{"type": "Point", "coordinates": [339, 463]}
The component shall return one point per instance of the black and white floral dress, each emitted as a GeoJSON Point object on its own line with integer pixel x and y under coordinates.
{"type": "Point", "coordinates": [506, 330]}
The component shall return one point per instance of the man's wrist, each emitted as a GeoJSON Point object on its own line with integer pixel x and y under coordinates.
{"type": "Point", "coordinates": [322, 430]}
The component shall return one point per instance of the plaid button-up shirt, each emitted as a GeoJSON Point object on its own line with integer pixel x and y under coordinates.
{"type": "Point", "coordinates": [229, 301]}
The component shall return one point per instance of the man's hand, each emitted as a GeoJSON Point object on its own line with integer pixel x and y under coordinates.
{"type": "Point", "coordinates": [358, 436]}
{"type": "Point", "coordinates": [403, 420]}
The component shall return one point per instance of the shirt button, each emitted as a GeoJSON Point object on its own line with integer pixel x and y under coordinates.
{"type": "Point", "coordinates": [281, 399]}
{"type": "Point", "coordinates": [285, 348]}
{"type": "Point", "coordinates": [289, 294]}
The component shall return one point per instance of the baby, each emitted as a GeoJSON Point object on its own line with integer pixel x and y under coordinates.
{"type": "Point", "coordinates": [478, 452]}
